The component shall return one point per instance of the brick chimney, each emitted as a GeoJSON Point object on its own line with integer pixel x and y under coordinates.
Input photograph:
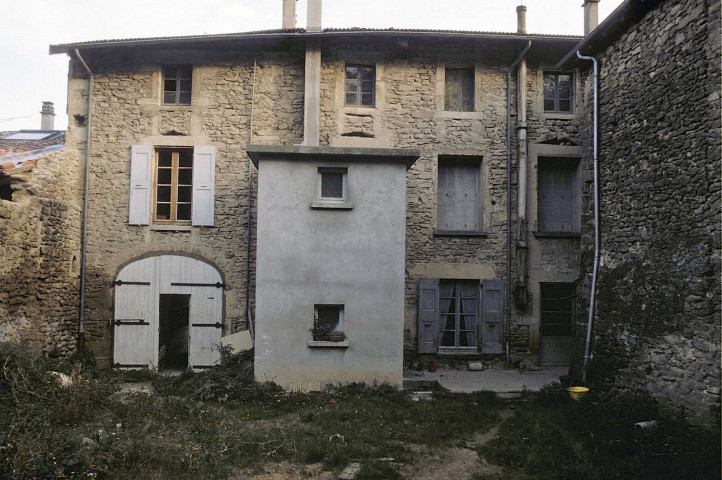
{"type": "Point", "coordinates": [47, 116]}
{"type": "Point", "coordinates": [289, 14]}
{"type": "Point", "coordinates": [591, 15]}
{"type": "Point", "coordinates": [521, 19]}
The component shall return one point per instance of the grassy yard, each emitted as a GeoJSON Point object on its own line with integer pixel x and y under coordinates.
{"type": "Point", "coordinates": [221, 424]}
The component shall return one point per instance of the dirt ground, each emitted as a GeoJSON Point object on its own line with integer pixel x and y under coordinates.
{"type": "Point", "coordinates": [458, 463]}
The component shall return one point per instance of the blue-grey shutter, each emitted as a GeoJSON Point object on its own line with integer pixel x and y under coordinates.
{"type": "Point", "coordinates": [556, 197]}
{"type": "Point", "coordinates": [428, 315]}
{"type": "Point", "coordinates": [458, 207]}
{"type": "Point", "coordinates": [467, 198]}
{"type": "Point", "coordinates": [492, 315]}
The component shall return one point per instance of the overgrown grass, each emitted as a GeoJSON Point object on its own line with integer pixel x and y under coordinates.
{"type": "Point", "coordinates": [200, 426]}
{"type": "Point", "coordinates": [595, 439]}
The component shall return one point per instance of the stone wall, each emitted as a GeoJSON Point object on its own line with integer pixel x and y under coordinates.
{"type": "Point", "coordinates": [40, 232]}
{"type": "Point", "coordinates": [658, 304]}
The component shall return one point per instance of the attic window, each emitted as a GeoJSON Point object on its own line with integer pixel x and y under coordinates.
{"type": "Point", "coordinates": [177, 85]}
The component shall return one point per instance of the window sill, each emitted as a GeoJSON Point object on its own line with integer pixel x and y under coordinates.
{"type": "Point", "coordinates": [557, 234]}
{"type": "Point", "coordinates": [331, 205]}
{"type": "Point", "coordinates": [459, 233]}
{"type": "Point", "coordinates": [558, 116]}
{"type": "Point", "coordinates": [363, 110]}
{"type": "Point", "coordinates": [327, 344]}
{"type": "Point", "coordinates": [175, 106]}
{"type": "Point", "coordinates": [459, 115]}
{"type": "Point", "coordinates": [171, 228]}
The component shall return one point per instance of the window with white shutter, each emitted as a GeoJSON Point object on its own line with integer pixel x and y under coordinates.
{"type": "Point", "coordinates": [557, 195]}
{"type": "Point", "coordinates": [141, 174]}
{"type": "Point", "coordinates": [459, 199]}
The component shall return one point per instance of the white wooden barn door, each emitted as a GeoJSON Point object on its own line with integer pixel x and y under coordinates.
{"type": "Point", "coordinates": [135, 323]}
{"type": "Point", "coordinates": [136, 345]}
{"type": "Point", "coordinates": [188, 276]}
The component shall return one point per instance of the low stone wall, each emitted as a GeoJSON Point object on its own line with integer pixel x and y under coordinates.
{"type": "Point", "coordinates": [658, 305]}
{"type": "Point", "coordinates": [39, 273]}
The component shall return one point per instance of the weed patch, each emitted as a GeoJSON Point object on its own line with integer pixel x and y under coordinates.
{"type": "Point", "coordinates": [556, 438]}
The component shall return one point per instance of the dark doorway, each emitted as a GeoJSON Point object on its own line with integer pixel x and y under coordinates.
{"type": "Point", "coordinates": [173, 338]}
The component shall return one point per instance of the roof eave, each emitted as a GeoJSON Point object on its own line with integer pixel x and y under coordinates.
{"type": "Point", "coordinates": [626, 14]}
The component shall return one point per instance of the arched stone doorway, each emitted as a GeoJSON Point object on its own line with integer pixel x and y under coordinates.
{"type": "Point", "coordinates": [168, 314]}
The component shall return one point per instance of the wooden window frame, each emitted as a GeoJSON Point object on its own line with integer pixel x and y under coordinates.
{"type": "Point", "coordinates": [453, 161]}
{"type": "Point", "coordinates": [572, 312]}
{"type": "Point", "coordinates": [359, 86]}
{"type": "Point", "coordinates": [556, 75]}
{"type": "Point", "coordinates": [471, 101]}
{"type": "Point", "coordinates": [175, 167]}
{"type": "Point", "coordinates": [177, 91]}
{"type": "Point", "coordinates": [457, 316]}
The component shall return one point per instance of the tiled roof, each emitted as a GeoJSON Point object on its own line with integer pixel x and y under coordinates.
{"type": "Point", "coordinates": [294, 32]}
{"type": "Point", "coordinates": [18, 156]}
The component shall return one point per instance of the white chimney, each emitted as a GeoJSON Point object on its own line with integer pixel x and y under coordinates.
{"type": "Point", "coordinates": [313, 19]}
{"type": "Point", "coordinates": [47, 116]}
{"type": "Point", "coordinates": [521, 19]}
{"type": "Point", "coordinates": [591, 15]}
{"type": "Point", "coordinates": [289, 14]}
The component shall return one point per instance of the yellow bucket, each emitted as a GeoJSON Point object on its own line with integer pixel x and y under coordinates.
{"type": "Point", "coordinates": [576, 393]}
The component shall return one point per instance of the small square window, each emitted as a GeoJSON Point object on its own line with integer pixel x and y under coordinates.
{"type": "Point", "coordinates": [332, 185]}
{"type": "Point", "coordinates": [177, 85]}
{"type": "Point", "coordinates": [360, 84]}
{"type": "Point", "coordinates": [328, 323]}
{"type": "Point", "coordinates": [558, 92]}
{"type": "Point", "coordinates": [459, 90]}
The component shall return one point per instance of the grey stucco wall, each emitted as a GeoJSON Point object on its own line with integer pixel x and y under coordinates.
{"type": "Point", "coordinates": [658, 311]}
{"type": "Point", "coordinates": [352, 257]}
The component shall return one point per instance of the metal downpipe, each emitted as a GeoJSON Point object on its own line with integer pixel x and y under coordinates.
{"type": "Point", "coordinates": [509, 197]}
{"type": "Point", "coordinates": [595, 270]}
{"type": "Point", "coordinates": [84, 227]}
{"type": "Point", "coordinates": [249, 324]}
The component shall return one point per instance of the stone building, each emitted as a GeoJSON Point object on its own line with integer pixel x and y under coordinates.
{"type": "Point", "coordinates": [40, 208]}
{"type": "Point", "coordinates": [658, 303]}
{"type": "Point", "coordinates": [169, 178]}
{"type": "Point", "coordinates": [498, 202]}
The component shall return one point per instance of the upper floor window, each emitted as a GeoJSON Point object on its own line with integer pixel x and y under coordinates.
{"type": "Point", "coordinates": [360, 85]}
{"type": "Point", "coordinates": [459, 207]}
{"type": "Point", "coordinates": [173, 185]}
{"type": "Point", "coordinates": [177, 85]}
{"type": "Point", "coordinates": [557, 191]}
{"type": "Point", "coordinates": [459, 90]}
{"type": "Point", "coordinates": [558, 92]}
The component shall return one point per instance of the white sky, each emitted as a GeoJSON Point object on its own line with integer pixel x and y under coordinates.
{"type": "Point", "coordinates": [29, 75]}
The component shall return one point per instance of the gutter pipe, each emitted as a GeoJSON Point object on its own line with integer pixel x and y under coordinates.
{"type": "Point", "coordinates": [249, 323]}
{"type": "Point", "coordinates": [84, 225]}
{"type": "Point", "coordinates": [507, 303]}
{"type": "Point", "coordinates": [595, 271]}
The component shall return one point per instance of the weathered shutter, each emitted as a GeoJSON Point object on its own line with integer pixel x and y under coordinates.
{"type": "Point", "coordinates": [492, 315]}
{"type": "Point", "coordinates": [206, 314]}
{"type": "Point", "coordinates": [467, 198]}
{"type": "Point", "coordinates": [446, 200]}
{"type": "Point", "coordinates": [556, 197]}
{"type": "Point", "coordinates": [428, 315]}
{"type": "Point", "coordinates": [204, 179]}
{"type": "Point", "coordinates": [141, 174]}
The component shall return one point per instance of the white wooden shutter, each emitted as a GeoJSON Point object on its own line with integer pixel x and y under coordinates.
{"type": "Point", "coordinates": [141, 175]}
{"type": "Point", "coordinates": [204, 179]}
